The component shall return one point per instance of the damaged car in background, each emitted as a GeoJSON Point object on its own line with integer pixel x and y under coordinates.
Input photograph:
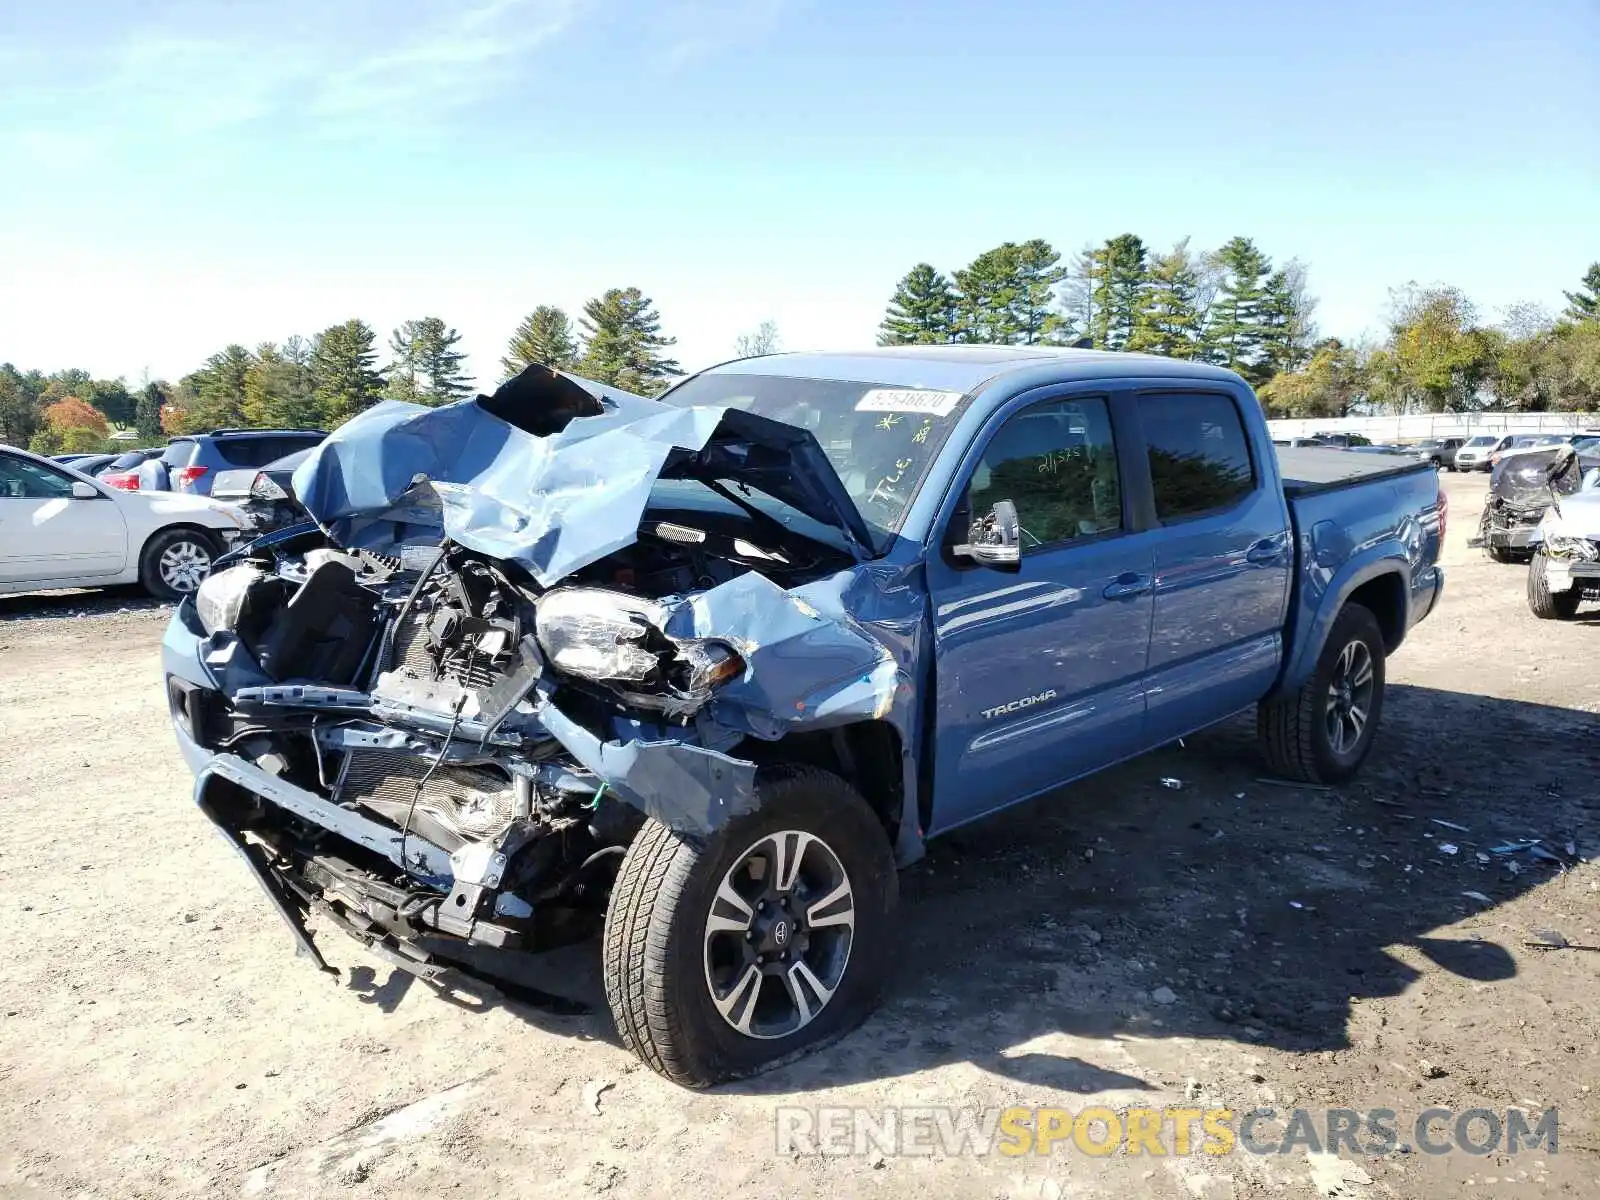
{"type": "Point", "coordinates": [1524, 483]}
{"type": "Point", "coordinates": [1565, 570]}
{"type": "Point", "coordinates": [701, 672]}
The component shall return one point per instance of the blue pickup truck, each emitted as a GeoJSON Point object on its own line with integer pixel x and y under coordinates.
{"type": "Point", "coordinates": [702, 670]}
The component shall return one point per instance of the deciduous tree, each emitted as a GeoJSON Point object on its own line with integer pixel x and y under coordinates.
{"type": "Point", "coordinates": [1327, 386]}
{"type": "Point", "coordinates": [763, 341]}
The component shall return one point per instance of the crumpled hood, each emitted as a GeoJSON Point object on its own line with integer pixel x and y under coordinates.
{"type": "Point", "coordinates": [1535, 477]}
{"type": "Point", "coordinates": [552, 472]}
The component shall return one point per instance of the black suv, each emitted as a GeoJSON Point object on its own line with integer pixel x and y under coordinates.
{"type": "Point", "coordinates": [190, 463]}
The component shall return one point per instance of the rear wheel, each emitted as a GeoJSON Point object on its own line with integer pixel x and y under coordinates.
{"type": "Point", "coordinates": [1542, 602]}
{"type": "Point", "coordinates": [1322, 733]}
{"type": "Point", "coordinates": [729, 954]}
{"type": "Point", "coordinates": [175, 562]}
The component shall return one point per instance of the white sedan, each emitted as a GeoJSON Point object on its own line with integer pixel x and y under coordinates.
{"type": "Point", "coordinates": [61, 529]}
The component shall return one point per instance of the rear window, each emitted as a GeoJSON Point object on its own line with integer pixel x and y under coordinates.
{"type": "Point", "coordinates": [1199, 456]}
{"type": "Point", "coordinates": [259, 451]}
{"type": "Point", "coordinates": [177, 453]}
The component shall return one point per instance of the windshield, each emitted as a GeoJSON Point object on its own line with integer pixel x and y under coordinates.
{"type": "Point", "coordinates": [880, 439]}
{"type": "Point", "coordinates": [1482, 441]}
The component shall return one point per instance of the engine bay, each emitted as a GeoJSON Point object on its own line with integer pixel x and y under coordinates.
{"type": "Point", "coordinates": [408, 687]}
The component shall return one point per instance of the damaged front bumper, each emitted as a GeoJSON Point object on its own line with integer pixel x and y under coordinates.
{"type": "Point", "coordinates": [389, 736]}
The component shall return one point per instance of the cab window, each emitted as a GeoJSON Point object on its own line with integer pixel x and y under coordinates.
{"type": "Point", "coordinates": [1199, 454]}
{"type": "Point", "coordinates": [1056, 461]}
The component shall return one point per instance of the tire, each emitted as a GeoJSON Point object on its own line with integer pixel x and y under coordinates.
{"type": "Point", "coordinates": [1296, 732]}
{"type": "Point", "coordinates": [660, 960]}
{"type": "Point", "coordinates": [176, 561]}
{"type": "Point", "coordinates": [1542, 602]}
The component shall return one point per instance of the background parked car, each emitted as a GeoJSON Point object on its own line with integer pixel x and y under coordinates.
{"type": "Point", "coordinates": [191, 463]}
{"type": "Point", "coordinates": [87, 463]}
{"type": "Point", "coordinates": [1473, 455]}
{"type": "Point", "coordinates": [1342, 440]}
{"type": "Point", "coordinates": [59, 529]}
{"type": "Point", "coordinates": [123, 470]}
{"type": "Point", "coordinates": [266, 497]}
{"type": "Point", "coordinates": [1441, 450]}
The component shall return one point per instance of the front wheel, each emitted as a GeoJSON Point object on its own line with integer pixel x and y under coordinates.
{"type": "Point", "coordinates": [1544, 603]}
{"type": "Point", "coordinates": [729, 954]}
{"type": "Point", "coordinates": [1322, 733]}
{"type": "Point", "coordinates": [175, 562]}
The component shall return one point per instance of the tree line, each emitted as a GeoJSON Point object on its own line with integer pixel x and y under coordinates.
{"type": "Point", "coordinates": [319, 382]}
{"type": "Point", "coordinates": [1232, 307]}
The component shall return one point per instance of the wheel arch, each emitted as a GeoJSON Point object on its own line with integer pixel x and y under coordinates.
{"type": "Point", "coordinates": [1378, 583]}
{"type": "Point", "coordinates": [869, 755]}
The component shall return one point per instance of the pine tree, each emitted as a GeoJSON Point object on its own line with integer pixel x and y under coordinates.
{"type": "Point", "coordinates": [1038, 270]}
{"type": "Point", "coordinates": [1235, 328]}
{"type": "Point", "coordinates": [623, 334]}
{"type": "Point", "coordinates": [1167, 322]}
{"type": "Point", "coordinates": [1118, 274]}
{"type": "Point", "coordinates": [1584, 304]}
{"type": "Point", "coordinates": [147, 412]}
{"type": "Point", "coordinates": [427, 366]}
{"type": "Point", "coordinates": [19, 415]}
{"type": "Point", "coordinates": [989, 295]}
{"type": "Point", "coordinates": [278, 388]}
{"type": "Point", "coordinates": [1286, 329]}
{"type": "Point", "coordinates": [217, 390]}
{"type": "Point", "coordinates": [544, 337]}
{"type": "Point", "coordinates": [921, 312]}
{"type": "Point", "coordinates": [344, 374]}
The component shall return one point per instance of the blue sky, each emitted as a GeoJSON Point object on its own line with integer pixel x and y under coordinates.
{"type": "Point", "coordinates": [181, 174]}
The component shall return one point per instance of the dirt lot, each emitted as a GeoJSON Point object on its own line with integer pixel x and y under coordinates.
{"type": "Point", "coordinates": [1313, 949]}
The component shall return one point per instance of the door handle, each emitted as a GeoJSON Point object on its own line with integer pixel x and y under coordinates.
{"type": "Point", "coordinates": [1127, 584]}
{"type": "Point", "coordinates": [1265, 551]}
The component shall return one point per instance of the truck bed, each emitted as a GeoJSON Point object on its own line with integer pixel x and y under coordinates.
{"type": "Point", "coordinates": [1307, 470]}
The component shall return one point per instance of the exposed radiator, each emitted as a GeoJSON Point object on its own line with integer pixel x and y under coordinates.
{"type": "Point", "coordinates": [468, 803]}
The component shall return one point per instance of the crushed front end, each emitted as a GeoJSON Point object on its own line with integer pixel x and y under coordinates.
{"type": "Point", "coordinates": [440, 715]}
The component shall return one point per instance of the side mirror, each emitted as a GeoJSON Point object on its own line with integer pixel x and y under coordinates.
{"type": "Point", "coordinates": [1591, 479]}
{"type": "Point", "coordinates": [995, 540]}
{"type": "Point", "coordinates": [84, 491]}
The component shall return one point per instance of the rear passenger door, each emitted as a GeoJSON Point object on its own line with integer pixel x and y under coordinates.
{"type": "Point", "coordinates": [1222, 564]}
{"type": "Point", "coordinates": [1039, 672]}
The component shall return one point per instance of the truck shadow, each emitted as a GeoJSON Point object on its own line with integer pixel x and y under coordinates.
{"type": "Point", "coordinates": [1257, 913]}
{"type": "Point", "coordinates": [1227, 908]}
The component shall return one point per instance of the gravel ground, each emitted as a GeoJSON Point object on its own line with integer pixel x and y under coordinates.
{"type": "Point", "coordinates": [1227, 942]}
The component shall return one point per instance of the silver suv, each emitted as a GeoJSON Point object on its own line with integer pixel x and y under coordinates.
{"type": "Point", "coordinates": [1475, 451]}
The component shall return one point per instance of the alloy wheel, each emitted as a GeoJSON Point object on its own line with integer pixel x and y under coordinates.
{"type": "Point", "coordinates": [184, 565]}
{"type": "Point", "coordinates": [778, 934]}
{"type": "Point", "coordinates": [1350, 697]}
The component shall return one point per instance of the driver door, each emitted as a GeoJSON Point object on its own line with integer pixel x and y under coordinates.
{"type": "Point", "coordinates": [47, 533]}
{"type": "Point", "coordinates": [1040, 671]}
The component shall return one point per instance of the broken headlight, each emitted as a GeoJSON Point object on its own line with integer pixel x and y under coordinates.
{"type": "Point", "coordinates": [609, 637]}
{"type": "Point", "coordinates": [600, 635]}
{"type": "Point", "coordinates": [1581, 549]}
